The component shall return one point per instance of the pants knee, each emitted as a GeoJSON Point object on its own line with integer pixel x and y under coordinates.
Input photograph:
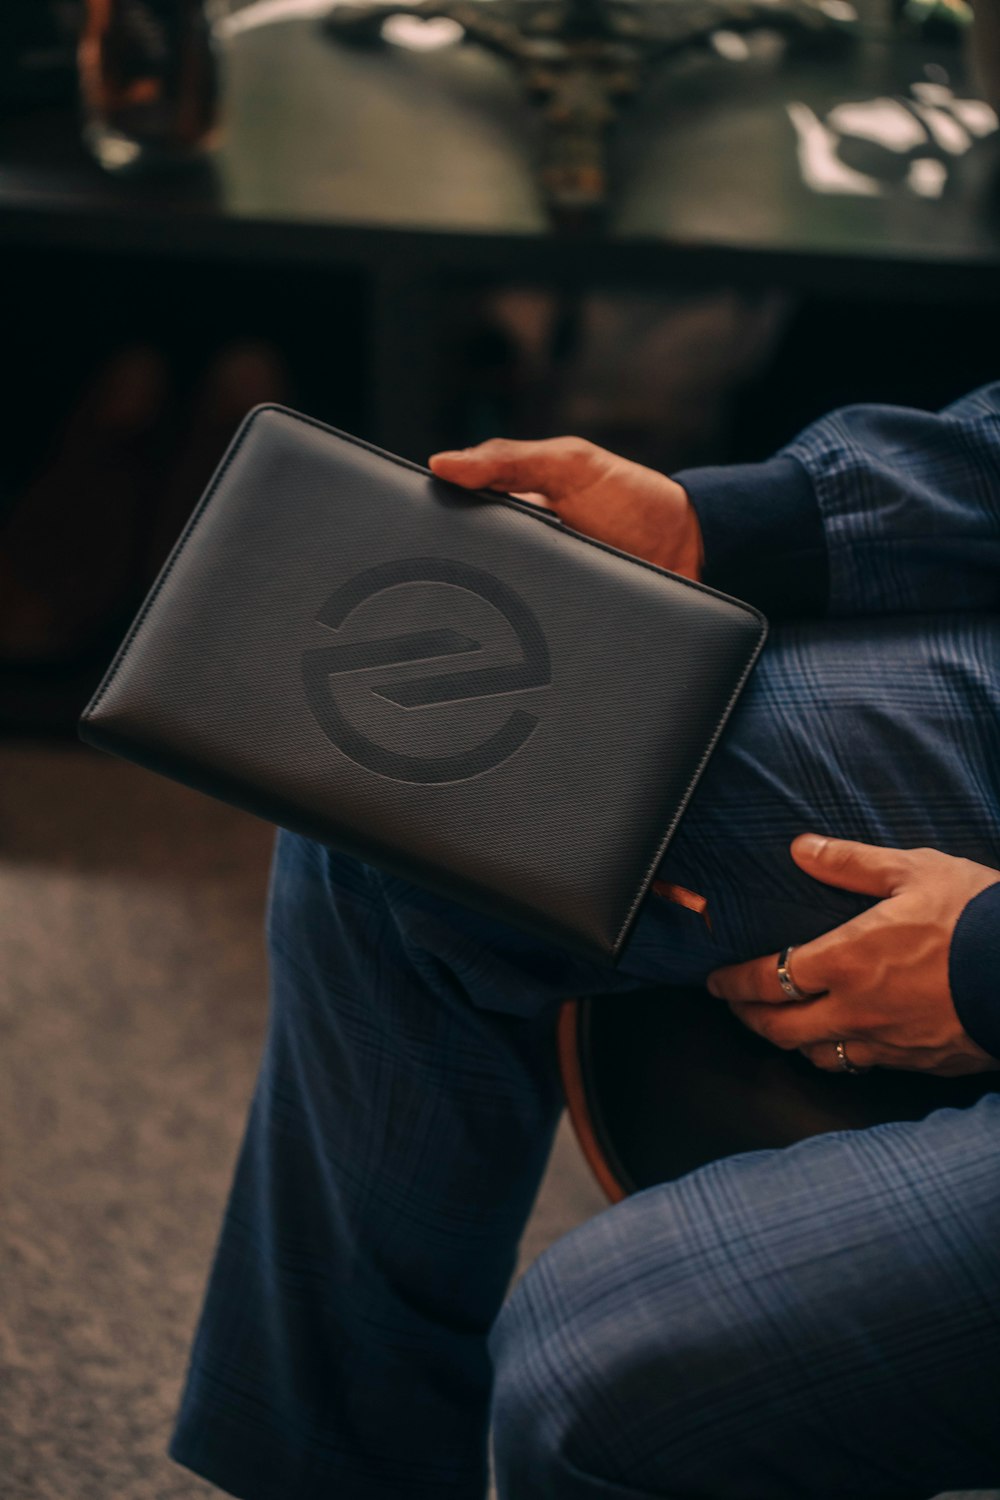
{"type": "Point", "coordinates": [532, 1418]}
{"type": "Point", "coordinates": [559, 1361]}
{"type": "Point", "coordinates": [611, 1363]}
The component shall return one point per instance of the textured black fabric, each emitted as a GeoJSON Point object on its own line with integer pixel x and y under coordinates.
{"type": "Point", "coordinates": [973, 965]}
{"type": "Point", "coordinates": [763, 535]}
{"type": "Point", "coordinates": [453, 687]}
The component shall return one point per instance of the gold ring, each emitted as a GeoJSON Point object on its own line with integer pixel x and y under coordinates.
{"type": "Point", "coordinates": [846, 1066]}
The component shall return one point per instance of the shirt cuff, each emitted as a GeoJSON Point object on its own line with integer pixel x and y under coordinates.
{"type": "Point", "coordinates": [763, 534]}
{"type": "Point", "coordinates": [974, 969]}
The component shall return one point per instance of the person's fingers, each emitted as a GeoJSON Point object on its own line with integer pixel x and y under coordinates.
{"type": "Point", "coordinates": [757, 979]}
{"type": "Point", "coordinates": [866, 868]}
{"type": "Point", "coordinates": [553, 467]}
{"type": "Point", "coordinates": [793, 1026]}
{"type": "Point", "coordinates": [935, 1061]}
{"type": "Point", "coordinates": [824, 1055]}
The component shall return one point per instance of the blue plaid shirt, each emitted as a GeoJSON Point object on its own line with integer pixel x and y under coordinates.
{"type": "Point", "coordinates": [875, 510]}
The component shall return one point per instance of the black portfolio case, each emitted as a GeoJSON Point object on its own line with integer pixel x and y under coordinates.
{"type": "Point", "coordinates": [453, 686]}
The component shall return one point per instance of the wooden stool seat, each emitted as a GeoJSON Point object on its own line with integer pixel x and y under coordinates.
{"type": "Point", "coordinates": [664, 1080]}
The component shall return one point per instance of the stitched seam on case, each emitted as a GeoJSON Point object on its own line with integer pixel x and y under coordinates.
{"type": "Point", "coordinates": [644, 883]}
{"type": "Point", "coordinates": [511, 504]}
{"type": "Point", "coordinates": [168, 566]}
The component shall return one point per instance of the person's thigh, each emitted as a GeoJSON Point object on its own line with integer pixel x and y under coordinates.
{"type": "Point", "coordinates": [818, 1322]}
{"type": "Point", "coordinates": [884, 730]}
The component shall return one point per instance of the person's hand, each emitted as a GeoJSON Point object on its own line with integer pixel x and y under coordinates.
{"type": "Point", "coordinates": [627, 505]}
{"type": "Point", "coordinates": [881, 978]}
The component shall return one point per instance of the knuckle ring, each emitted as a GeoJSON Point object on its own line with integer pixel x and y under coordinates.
{"type": "Point", "coordinates": [786, 981]}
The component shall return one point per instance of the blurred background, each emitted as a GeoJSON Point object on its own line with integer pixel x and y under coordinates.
{"type": "Point", "coordinates": [425, 241]}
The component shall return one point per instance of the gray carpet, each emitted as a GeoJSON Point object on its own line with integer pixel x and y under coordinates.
{"type": "Point", "coordinates": [131, 1015]}
{"type": "Point", "coordinates": [132, 1003]}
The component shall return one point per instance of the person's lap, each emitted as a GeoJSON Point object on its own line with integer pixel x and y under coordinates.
{"type": "Point", "coordinates": [812, 1323]}
{"type": "Point", "coordinates": [881, 730]}
{"type": "Point", "coordinates": [409, 1093]}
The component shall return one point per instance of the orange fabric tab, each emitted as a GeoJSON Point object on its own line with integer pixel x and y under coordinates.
{"type": "Point", "coordinates": [681, 896]}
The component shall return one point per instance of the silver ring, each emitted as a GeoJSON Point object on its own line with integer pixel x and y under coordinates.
{"type": "Point", "coordinates": [786, 981]}
{"type": "Point", "coordinates": [846, 1066]}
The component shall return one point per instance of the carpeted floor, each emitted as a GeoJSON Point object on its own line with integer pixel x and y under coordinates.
{"type": "Point", "coordinates": [132, 1002]}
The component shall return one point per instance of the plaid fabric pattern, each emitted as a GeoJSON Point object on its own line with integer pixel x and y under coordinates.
{"type": "Point", "coordinates": [910, 503]}
{"type": "Point", "coordinates": [823, 1321]}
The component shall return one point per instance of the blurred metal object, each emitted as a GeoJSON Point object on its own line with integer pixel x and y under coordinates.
{"type": "Point", "coordinates": [580, 60]}
{"type": "Point", "coordinates": [149, 83]}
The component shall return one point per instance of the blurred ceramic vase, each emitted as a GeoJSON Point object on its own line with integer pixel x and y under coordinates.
{"type": "Point", "coordinates": [148, 83]}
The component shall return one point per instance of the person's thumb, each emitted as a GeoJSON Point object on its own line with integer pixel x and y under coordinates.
{"type": "Point", "coordinates": [553, 467]}
{"type": "Point", "coordinates": [866, 868]}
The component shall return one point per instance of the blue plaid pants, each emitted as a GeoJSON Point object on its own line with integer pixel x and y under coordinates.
{"type": "Point", "coordinates": [821, 1321]}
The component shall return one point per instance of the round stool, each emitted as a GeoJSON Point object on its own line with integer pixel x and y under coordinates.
{"type": "Point", "coordinates": [664, 1080]}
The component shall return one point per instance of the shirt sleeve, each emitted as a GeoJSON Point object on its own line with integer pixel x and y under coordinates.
{"type": "Point", "coordinates": [872, 510]}
{"type": "Point", "coordinates": [763, 535]}
{"type": "Point", "coordinates": [974, 969]}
